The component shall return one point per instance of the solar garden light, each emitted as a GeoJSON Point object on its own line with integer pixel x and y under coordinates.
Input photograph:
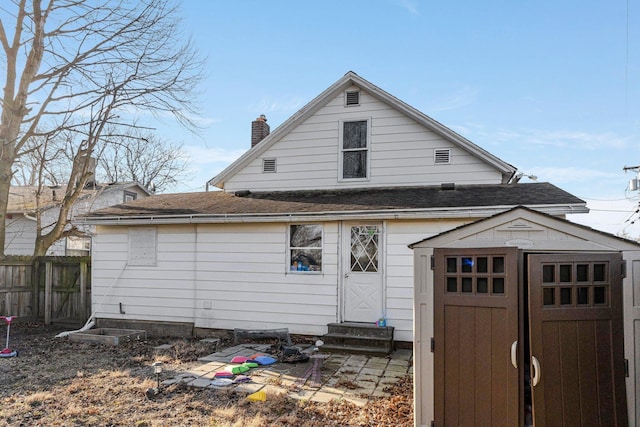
{"type": "Point", "coordinates": [157, 370]}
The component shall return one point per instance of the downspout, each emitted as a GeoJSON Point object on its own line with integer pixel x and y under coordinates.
{"type": "Point", "coordinates": [195, 277]}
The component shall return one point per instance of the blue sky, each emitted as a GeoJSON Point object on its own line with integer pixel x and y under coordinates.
{"type": "Point", "coordinates": [552, 87]}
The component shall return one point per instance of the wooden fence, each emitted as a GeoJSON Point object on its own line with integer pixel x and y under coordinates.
{"type": "Point", "coordinates": [49, 289]}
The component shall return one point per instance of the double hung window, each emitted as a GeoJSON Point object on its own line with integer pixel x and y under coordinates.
{"type": "Point", "coordinates": [355, 150]}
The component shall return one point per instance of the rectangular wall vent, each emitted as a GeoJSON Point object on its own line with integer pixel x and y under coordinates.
{"type": "Point", "coordinates": [442, 156]}
{"type": "Point", "coordinates": [353, 98]}
{"type": "Point", "coordinates": [268, 165]}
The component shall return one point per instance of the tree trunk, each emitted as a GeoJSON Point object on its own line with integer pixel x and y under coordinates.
{"type": "Point", "coordinates": [6, 161]}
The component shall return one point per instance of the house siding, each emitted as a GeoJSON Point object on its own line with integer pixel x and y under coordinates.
{"type": "Point", "coordinates": [401, 154]}
{"type": "Point", "coordinates": [226, 276]}
{"type": "Point", "coordinates": [20, 235]}
{"type": "Point", "coordinates": [243, 280]}
{"type": "Point", "coordinates": [163, 292]}
{"type": "Point", "coordinates": [21, 231]}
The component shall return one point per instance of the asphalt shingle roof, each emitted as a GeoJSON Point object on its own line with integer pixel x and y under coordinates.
{"type": "Point", "coordinates": [317, 201]}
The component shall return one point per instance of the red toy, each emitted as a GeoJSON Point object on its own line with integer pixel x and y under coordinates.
{"type": "Point", "coordinates": [7, 352]}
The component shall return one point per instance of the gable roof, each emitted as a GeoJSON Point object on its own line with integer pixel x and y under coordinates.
{"type": "Point", "coordinates": [22, 198]}
{"type": "Point", "coordinates": [321, 100]}
{"type": "Point", "coordinates": [406, 202]}
{"type": "Point", "coordinates": [541, 219]}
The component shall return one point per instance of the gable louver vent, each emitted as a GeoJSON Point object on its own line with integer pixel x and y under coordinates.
{"type": "Point", "coordinates": [268, 165]}
{"type": "Point", "coordinates": [353, 98]}
{"type": "Point", "coordinates": [442, 156]}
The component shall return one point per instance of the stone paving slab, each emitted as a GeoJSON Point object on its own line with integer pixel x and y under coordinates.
{"type": "Point", "coordinates": [340, 373]}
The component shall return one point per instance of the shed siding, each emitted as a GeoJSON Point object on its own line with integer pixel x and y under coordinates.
{"type": "Point", "coordinates": [401, 154]}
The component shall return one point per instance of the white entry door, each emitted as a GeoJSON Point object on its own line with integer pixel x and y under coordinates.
{"type": "Point", "coordinates": [363, 275]}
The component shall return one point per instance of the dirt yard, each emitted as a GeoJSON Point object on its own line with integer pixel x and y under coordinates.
{"type": "Point", "coordinates": [56, 382]}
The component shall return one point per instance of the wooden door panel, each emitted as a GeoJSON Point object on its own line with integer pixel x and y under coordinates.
{"type": "Point", "coordinates": [575, 311]}
{"type": "Point", "coordinates": [476, 321]}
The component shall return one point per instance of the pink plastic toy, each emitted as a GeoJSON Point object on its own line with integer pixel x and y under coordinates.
{"type": "Point", "coordinates": [7, 352]}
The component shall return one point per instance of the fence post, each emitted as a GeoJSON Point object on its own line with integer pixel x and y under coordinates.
{"type": "Point", "coordinates": [48, 288]}
{"type": "Point", "coordinates": [35, 286]}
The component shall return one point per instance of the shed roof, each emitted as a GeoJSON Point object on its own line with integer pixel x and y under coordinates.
{"type": "Point", "coordinates": [585, 234]}
{"type": "Point", "coordinates": [440, 201]}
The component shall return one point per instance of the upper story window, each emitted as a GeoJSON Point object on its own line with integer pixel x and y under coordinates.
{"type": "Point", "coordinates": [355, 149]}
{"type": "Point", "coordinates": [305, 247]}
{"type": "Point", "coordinates": [129, 196]}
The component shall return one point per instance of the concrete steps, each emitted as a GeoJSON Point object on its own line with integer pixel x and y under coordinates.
{"type": "Point", "coordinates": [360, 338]}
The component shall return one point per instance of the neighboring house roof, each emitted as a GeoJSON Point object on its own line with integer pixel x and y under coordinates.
{"type": "Point", "coordinates": [345, 82]}
{"type": "Point", "coordinates": [417, 202]}
{"type": "Point", "coordinates": [22, 199]}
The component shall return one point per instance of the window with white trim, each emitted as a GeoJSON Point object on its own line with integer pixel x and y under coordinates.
{"type": "Point", "coordinates": [305, 247]}
{"type": "Point", "coordinates": [354, 147]}
{"type": "Point", "coordinates": [129, 196]}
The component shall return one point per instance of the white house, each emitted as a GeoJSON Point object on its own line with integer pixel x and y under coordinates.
{"type": "Point", "coordinates": [21, 221]}
{"type": "Point", "coordinates": [317, 223]}
{"type": "Point", "coordinates": [313, 222]}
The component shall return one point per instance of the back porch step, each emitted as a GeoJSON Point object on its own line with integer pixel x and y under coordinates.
{"type": "Point", "coordinates": [361, 338]}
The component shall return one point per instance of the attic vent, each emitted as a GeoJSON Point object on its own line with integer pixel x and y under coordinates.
{"type": "Point", "coordinates": [268, 165]}
{"type": "Point", "coordinates": [353, 98]}
{"type": "Point", "coordinates": [442, 156]}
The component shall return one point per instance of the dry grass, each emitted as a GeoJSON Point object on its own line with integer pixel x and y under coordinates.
{"type": "Point", "coordinates": [55, 382]}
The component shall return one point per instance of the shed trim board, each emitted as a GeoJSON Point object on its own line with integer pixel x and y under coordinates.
{"type": "Point", "coordinates": [529, 232]}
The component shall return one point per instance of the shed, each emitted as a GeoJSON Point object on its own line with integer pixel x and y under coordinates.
{"type": "Point", "coordinates": [524, 317]}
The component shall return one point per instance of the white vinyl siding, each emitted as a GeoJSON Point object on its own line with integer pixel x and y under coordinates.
{"type": "Point", "coordinates": [399, 269]}
{"type": "Point", "coordinates": [162, 293]}
{"type": "Point", "coordinates": [20, 235]}
{"type": "Point", "coordinates": [401, 153]}
{"type": "Point", "coordinates": [216, 276]}
{"type": "Point", "coordinates": [236, 276]}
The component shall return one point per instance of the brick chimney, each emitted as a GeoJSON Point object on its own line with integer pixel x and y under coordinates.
{"type": "Point", "coordinates": [259, 130]}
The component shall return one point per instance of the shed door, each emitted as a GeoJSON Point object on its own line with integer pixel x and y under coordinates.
{"type": "Point", "coordinates": [576, 330]}
{"type": "Point", "coordinates": [475, 327]}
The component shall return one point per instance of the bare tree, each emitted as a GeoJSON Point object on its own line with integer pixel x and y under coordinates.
{"type": "Point", "coordinates": [143, 157]}
{"type": "Point", "coordinates": [80, 66]}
